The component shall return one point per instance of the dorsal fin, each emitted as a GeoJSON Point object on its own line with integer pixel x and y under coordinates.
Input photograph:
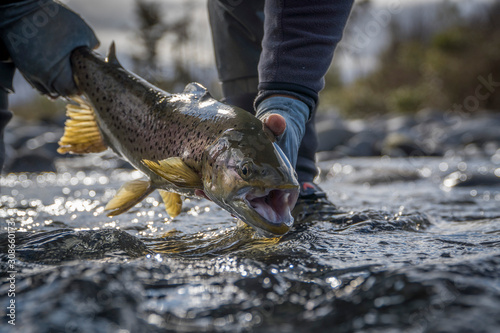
{"type": "Point", "coordinates": [196, 89]}
{"type": "Point", "coordinates": [111, 58]}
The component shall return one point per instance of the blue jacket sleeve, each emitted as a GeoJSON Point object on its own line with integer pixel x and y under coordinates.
{"type": "Point", "coordinates": [39, 36]}
{"type": "Point", "coordinates": [299, 41]}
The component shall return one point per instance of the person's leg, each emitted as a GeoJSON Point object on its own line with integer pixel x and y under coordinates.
{"type": "Point", "coordinates": [306, 165]}
{"type": "Point", "coordinates": [237, 32]}
{"type": "Point", "coordinates": [7, 70]}
{"type": "Point", "coordinates": [5, 116]}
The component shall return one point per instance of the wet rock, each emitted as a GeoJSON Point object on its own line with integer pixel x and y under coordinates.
{"type": "Point", "coordinates": [473, 130]}
{"type": "Point", "coordinates": [82, 298]}
{"type": "Point", "coordinates": [331, 135]}
{"type": "Point", "coordinates": [358, 149]}
{"type": "Point", "coordinates": [365, 143]}
{"type": "Point", "coordinates": [18, 136]}
{"type": "Point", "coordinates": [400, 123]}
{"type": "Point", "coordinates": [387, 176]}
{"type": "Point", "coordinates": [330, 155]}
{"type": "Point", "coordinates": [470, 179]}
{"type": "Point", "coordinates": [429, 115]}
{"type": "Point", "coordinates": [401, 145]}
{"type": "Point", "coordinates": [40, 159]}
{"type": "Point", "coordinates": [35, 154]}
{"type": "Point", "coordinates": [67, 244]}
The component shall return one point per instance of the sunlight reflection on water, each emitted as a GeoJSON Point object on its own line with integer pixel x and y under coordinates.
{"type": "Point", "coordinates": [397, 219]}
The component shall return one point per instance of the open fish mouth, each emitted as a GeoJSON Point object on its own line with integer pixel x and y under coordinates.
{"type": "Point", "coordinates": [272, 208]}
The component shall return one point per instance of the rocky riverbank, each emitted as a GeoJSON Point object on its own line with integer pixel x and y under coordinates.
{"type": "Point", "coordinates": [426, 133]}
{"type": "Point", "coordinates": [31, 147]}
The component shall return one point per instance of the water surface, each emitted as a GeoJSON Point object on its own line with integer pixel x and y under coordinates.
{"type": "Point", "coordinates": [411, 249]}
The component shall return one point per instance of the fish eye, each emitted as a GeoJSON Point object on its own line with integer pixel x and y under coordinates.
{"type": "Point", "coordinates": [245, 170]}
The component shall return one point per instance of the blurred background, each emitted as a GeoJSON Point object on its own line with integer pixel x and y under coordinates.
{"type": "Point", "coordinates": [414, 246]}
{"type": "Point", "coordinates": [410, 78]}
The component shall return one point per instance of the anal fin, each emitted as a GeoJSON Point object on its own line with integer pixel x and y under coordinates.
{"type": "Point", "coordinates": [173, 202]}
{"type": "Point", "coordinates": [128, 196]}
{"type": "Point", "coordinates": [81, 132]}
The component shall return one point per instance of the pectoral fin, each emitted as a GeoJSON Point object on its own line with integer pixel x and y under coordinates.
{"type": "Point", "coordinates": [128, 196]}
{"type": "Point", "coordinates": [173, 202]}
{"type": "Point", "coordinates": [175, 171]}
{"type": "Point", "coordinates": [81, 133]}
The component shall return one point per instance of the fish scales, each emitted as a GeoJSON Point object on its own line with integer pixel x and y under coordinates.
{"type": "Point", "coordinates": [170, 129]}
{"type": "Point", "coordinates": [185, 144]}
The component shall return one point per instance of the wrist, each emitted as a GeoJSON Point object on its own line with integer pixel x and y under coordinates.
{"type": "Point", "coordinates": [288, 107]}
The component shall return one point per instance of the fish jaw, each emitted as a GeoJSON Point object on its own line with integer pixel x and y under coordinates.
{"type": "Point", "coordinates": [268, 210]}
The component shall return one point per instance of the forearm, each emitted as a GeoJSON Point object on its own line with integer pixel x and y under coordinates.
{"type": "Point", "coordinates": [39, 36]}
{"type": "Point", "coordinates": [299, 41]}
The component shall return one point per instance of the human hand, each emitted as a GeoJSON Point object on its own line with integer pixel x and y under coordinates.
{"type": "Point", "coordinates": [286, 117]}
{"type": "Point", "coordinates": [39, 36]}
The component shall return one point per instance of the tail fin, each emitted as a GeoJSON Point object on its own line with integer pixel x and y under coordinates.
{"type": "Point", "coordinates": [81, 133]}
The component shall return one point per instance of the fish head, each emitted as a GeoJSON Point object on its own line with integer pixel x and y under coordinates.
{"type": "Point", "coordinates": [247, 174]}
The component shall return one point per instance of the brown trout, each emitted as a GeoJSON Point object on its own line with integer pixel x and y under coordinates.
{"type": "Point", "coordinates": [186, 144]}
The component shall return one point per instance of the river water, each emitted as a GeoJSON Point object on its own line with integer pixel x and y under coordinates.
{"type": "Point", "coordinates": [412, 249]}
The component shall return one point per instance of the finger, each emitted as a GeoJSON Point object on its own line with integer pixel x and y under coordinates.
{"type": "Point", "coordinates": [276, 123]}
